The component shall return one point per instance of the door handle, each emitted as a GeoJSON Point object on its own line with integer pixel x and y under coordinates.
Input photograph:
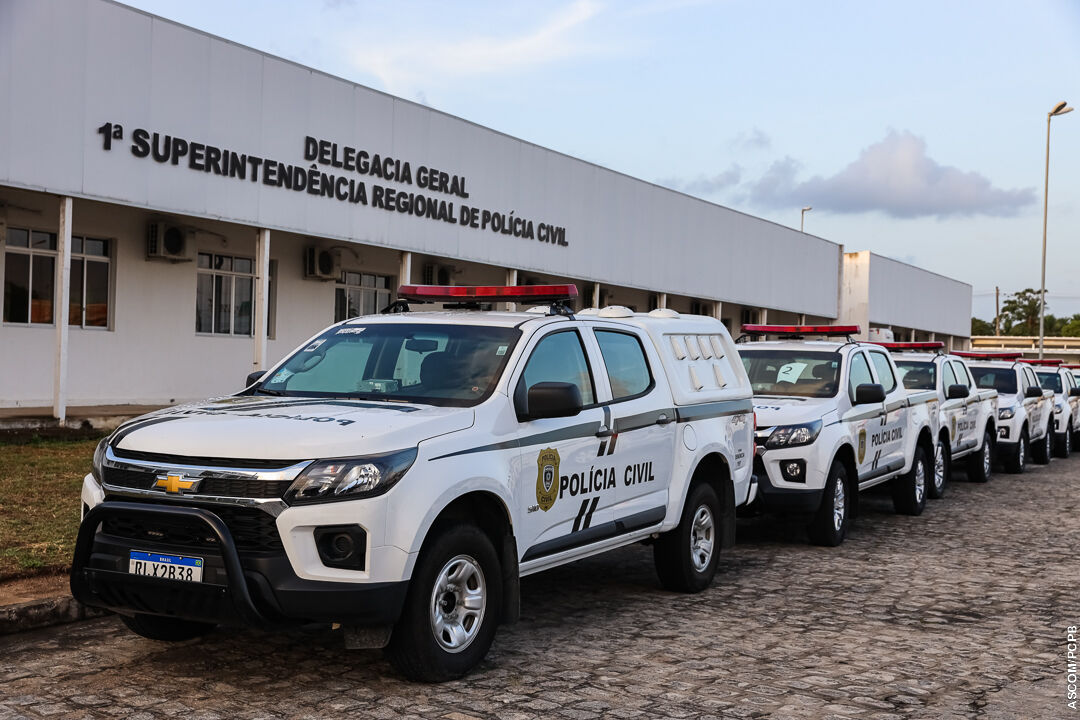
{"type": "Point", "coordinates": [663, 419]}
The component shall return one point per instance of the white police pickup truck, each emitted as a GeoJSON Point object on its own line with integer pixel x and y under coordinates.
{"type": "Point", "coordinates": [398, 474]}
{"type": "Point", "coordinates": [965, 424]}
{"type": "Point", "coordinates": [833, 420]}
{"type": "Point", "coordinates": [1054, 376]}
{"type": "Point", "coordinates": [1025, 409]}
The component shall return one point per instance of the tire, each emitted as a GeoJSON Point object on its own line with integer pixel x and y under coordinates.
{"type": "Point", "coordinates": [830, 523]}
{"type": "Point", "coordinates": [1043, 449]}
{"type": "Point", "coordinates": [939, 478]}
{"type": "Point", "coordinates": [1017, 462]}
{"type": "Point", "coordinates": [686, 557]}
{"type": "Point", "coordinates": [439, 637]}
{"type": "Point", "coordinates": [909, 490]}
{"type": "Point", "coordinates": [981, 464]}
{"type": "Point", "coordinates": [166, 629]}
{"type": "Point", "coordinates": [1063, 443]}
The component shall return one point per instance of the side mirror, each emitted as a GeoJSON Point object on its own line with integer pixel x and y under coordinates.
{"type": "Point", "coordinates": [957, 392]}
{"type": "Point", "coordinates": [1033, 391]}
{"type": "Point", "coordinates": [551, 400]}
{"type": "Point", "coordinates": [253, 378]}
{"type": "Point", "coordinates": [1075, 392]}
{"type": "Point", "coordinates": [869, 393]}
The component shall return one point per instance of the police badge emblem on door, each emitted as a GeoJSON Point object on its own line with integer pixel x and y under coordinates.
{"type": "Point", "coordinates": [547, 478]}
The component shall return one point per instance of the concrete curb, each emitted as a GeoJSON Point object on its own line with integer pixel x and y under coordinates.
{"type": "Point", "coordinates": [44, 613]}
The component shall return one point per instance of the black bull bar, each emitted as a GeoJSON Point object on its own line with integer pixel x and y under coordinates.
{"type": "Point", "coordinates": [126, 593]}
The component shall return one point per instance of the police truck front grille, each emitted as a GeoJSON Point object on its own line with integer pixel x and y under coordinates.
{"type": "Point", "coordinates": [218, 486]}
{"type": "Point", "coordinates": [252, 529]}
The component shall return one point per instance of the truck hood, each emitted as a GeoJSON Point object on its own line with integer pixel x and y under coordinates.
{"type": "Point", "coordinates": [294, 428]}
{"type": "Point", "coordinates": [774, 410]}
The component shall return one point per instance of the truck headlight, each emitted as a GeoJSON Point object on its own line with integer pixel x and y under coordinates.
{"type": "Point", "coordinates": [1058, 409]}
{"type": "Point", "coordinates": [794, 435]}
{"type": "Point", "coordinates": [1005, 413]}
{"type": "Point", "coordinates": [349, 478]}
{"type": "Point", "coordinates": [99, 459]}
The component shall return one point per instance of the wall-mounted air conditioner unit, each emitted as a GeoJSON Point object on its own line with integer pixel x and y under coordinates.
{"type": "Point", "coordinates": [169, 242]}
{"type": "Point", "coordinates": [321, 264]}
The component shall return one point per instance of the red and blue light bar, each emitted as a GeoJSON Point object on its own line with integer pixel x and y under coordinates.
{"type": "Point", "coordinates": [988, 355]}
{"type": "Point", "coordinates": [1045, 361]}
{"type": "Point", "coordinates": [932, 345]}
{"type": "Point", "coordinates": [823, 330]}
{"type": "Point", "coordinates": [494, 293]}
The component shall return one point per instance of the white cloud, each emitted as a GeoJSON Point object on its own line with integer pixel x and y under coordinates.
{"type": "Point", "coordinates": [403, 64]}
{"type": "Point", "coordinates": [894, 176]}
{"type": "Point", "coordinates": [706, 184]}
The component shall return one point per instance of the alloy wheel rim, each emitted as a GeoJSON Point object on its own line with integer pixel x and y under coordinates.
{"type": "Point", "coordinates": [702, 538]}
{"type": "Point", "coordinates": [920, 482]}
{"type": "Point", "coordinates": [939, 466]}
{"type": "Point", "coordinates": [986, 457]}
{"type": "Point", "coordinates": [458, 603]}
{"type": "Point", "coordinates": [1023, 453]}
{"type": "Point", "coordinates": [839, 506]}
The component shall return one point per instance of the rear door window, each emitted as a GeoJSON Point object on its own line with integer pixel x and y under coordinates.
{"type": "Point", "coordinates": [624, 358]}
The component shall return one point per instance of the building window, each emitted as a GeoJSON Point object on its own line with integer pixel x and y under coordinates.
{"type": "Point", "coordinates": [224, 295]}
{"type": "Point", "coordinates": [360, 294]}
{"type": "Point", "coordinates": [88, 301]}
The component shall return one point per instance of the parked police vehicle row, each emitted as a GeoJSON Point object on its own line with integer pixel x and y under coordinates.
{"type": "Point", "coordinates": [398, 474]}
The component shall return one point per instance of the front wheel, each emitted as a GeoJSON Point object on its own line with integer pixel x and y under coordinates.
{"type": "Point", "coordinates": [1063, 446]}
{"type": "Point", "coordinates": [981, 464]}
{"type": "Point", "coordinates": [909, 491]}
{"type": "Point", "coordinates": [942, 466]}
{"type": "Point", "coordinates": [1042, 449]}
{"type": "Point", "coordinates": [452, 607]}
{"type": "Point", "coordinates": [830, 523]}
{"type": "Point", "coordinates": [166, 629]}
{"type": "Point", "coordinates": [1017, 462]}
{"type": "Point", "coordinates": [686, 557]}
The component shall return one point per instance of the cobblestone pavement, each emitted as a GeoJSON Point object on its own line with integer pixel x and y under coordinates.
{"type": "Point", "coordinates": [959, 613]}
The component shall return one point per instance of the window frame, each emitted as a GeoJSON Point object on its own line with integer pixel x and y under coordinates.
{"type": "Point", "coordinates": [519, 383]}
{"type": "Point", "coordinates": [342, 284]}
{"type": "Point", "coordinates": [851, 366]}
{"type": "Point", "coordinates": [948, 367]}
{"type": "Point", "coordinates": [877, 373]}
{"type": "Point", "coordinates": [648, 366]}
{"type": "Point", "coordinates": [210, 271]}
{"type": "Point", "coordinates": [29, 251]}
{"type": "Point", "coordinates": [107, 259]}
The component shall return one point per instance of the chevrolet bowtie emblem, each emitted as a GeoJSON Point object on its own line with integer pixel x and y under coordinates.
{"type": "Point", "coordinates": [175, 483]}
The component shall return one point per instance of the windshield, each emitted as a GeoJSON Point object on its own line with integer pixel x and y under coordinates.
{"type": "Point", "coordinates": [450, 365]}
{"type": "Point", "coordinates": [1050, 381]}
{"type": "Point", "coordinates": [791, 372]}
{"type": "Point", "coordinates": [917, 375]}
{"type": "Point", "coordinates": [1001, 379]}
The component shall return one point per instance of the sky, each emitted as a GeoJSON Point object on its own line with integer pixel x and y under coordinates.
{"type": "Point", "coordinates": [916, 130]}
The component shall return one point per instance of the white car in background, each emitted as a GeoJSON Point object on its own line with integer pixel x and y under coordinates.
{"type": "Point", "coordinates": [967, 415]}
{"type": "Point", "coordinates": [1025, 409]}
{"type": "Point", "coordinates": [833, 420]}
{"type": "Point", "coordinates": [1053, 376]}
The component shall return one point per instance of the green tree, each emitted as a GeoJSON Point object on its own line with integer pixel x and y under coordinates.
{"type": "Point", "coordinates": [1020, 313]}
{"type": "Point", "coordinates": [981, 327]}
{"type": "Point", "coordinates": [1072, 327]}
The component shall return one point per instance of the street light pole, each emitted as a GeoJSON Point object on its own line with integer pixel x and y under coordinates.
{"type": "Point", "coordinates": [1060, 109]}
{"type": "Point", "coordinates": [802, 217]}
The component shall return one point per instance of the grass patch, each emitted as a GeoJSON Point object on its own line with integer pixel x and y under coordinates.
{"type": "Point", "coordinates": [40, 482]}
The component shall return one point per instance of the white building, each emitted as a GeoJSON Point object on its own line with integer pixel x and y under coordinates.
{"type": "Point", "coordinates": [179, 209]}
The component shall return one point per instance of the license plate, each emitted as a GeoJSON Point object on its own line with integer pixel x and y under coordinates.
{"type": "Point", "coordinates": [167, 567]}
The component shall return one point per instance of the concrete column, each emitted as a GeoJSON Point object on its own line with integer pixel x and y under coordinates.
{"type": "Point", "coordinates": [262, 296]}
{"type": "Point", "coordinates": [405, 269]}
{"type": "Point", "coordinates": [661, 300]}
{"type": "Point", "coordinates": [933, 337]}
{"type": "Point", "coordinates": [718, 310]}
{"type": "Point", "coordinates": [802, 318]}
{"type": "Point", "coordinates": [511, 279]}
{"type": "Point", "coordinates": [763, 316]}
{"type": "Point", "coordinates": [60, 314]}
{"type": "Point", "coordinates": [596, 295]}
